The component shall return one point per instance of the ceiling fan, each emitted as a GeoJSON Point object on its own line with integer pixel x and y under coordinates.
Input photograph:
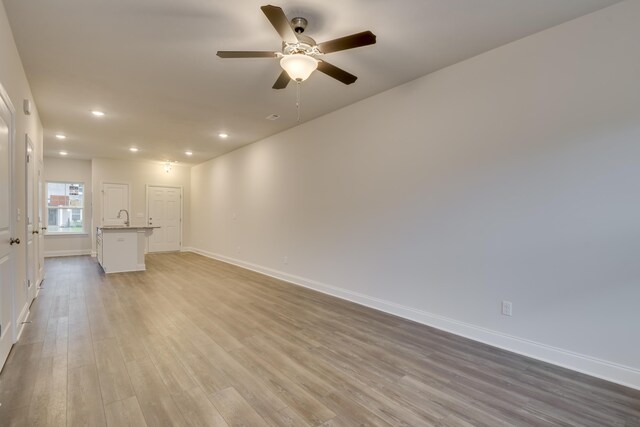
{"type": "Point", "coordinates": [299, 54]}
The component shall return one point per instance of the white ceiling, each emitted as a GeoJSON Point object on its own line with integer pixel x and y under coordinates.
{"type": "Point", "coordinates": [151, 65]}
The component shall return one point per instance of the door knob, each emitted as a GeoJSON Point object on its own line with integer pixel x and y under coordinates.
{"type": "Point", "coordinates": [35, 232]}
{"type": "Point", "coordinates": [12, 241]}
{"type": "Point", "coordinates": [44, 228]}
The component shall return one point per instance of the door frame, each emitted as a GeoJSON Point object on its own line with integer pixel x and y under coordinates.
{"type": "Point", "coordinates": [146, 190]}
{"type": "Point", "coordinates": [13, 215]}
{"type": "Point", "coordinates": [29, 158]}
{"type": "Point", "coordinates": [41, 196]}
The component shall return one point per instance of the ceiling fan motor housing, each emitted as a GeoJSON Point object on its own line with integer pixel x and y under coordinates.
{"type": "Point", "coordinates": [305, 45]}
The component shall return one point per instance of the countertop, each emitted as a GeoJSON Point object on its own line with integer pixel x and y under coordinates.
{"type": "Point", "coordinates": [124, 227]}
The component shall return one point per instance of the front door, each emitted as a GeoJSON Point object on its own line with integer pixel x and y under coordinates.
{"type": "Point", "coordinates": [164, 205]}
{"type": "Point", "coordinates": [7, 239]}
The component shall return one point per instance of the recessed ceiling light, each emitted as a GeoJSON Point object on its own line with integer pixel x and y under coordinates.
{"type": "Point", "coordinates": [63, 153]}
{"type": "Point", "coordinates": [223, 135]}
{"type": "Point", "coordinates": [97, 113]}
{"type": "Point", "coordinates": [61, 136]}
{"type": "Point", "coordinates": [133, 149]}
{"type": "Point", "coordinates": [189, 153]}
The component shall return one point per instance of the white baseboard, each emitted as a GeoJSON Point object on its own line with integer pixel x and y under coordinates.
{"type": "Point", "coordinates": [74, 252]}
{"type": "Point", "coordinates": [21, 319]}
{"type": "Point", "coordinates": [603, 369]}
{"type": "Point", "coordinates": [140, 267]}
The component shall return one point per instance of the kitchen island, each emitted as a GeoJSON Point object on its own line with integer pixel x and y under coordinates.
{"type": "Point", "coordinates": [120, 248]}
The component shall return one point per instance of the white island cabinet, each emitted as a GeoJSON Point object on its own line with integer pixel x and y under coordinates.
{"type": "Point", "coordinates": [120, 248]}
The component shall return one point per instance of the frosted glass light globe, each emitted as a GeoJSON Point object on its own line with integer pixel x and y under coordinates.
{"type": "Point", "coordinates": [299, 66]}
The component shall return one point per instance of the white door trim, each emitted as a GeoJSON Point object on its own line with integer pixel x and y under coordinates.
{"type": "Point", "coordinates": [29, 159]}
{"type": "Point", "coordinates": [180, 187]}
{"type": "Point", "coordinates": [12, 216]}
{"type": "Point", "coordinates": [42, 210]}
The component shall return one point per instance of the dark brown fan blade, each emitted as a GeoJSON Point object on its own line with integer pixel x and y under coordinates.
{"type": "Point", "coordinates": [280, 22]}
{"type": "Point", "coordinates": [348, 42]}
{"type": "Point", "coordinates": [283, 80]}
{"type": "Point", "coordinates": [336, 73]}
{"type": "Point", "coordinates": [245, 54]}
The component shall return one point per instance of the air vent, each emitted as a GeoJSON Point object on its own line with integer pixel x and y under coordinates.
{"type": "Point", "coordinates": [273, 117]}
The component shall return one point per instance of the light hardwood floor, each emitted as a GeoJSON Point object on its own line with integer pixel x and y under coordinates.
{"type": "Point", "coordinates": [193, 341]}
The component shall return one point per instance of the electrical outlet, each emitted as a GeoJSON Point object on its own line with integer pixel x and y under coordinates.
{"type": "Point", "coordinates": [507, 308]}
{"type": "Point", "coordinates": [285, 260]}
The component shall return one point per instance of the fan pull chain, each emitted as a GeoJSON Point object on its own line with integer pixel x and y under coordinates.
{"type": "Point", "coordinates": [298, 99]}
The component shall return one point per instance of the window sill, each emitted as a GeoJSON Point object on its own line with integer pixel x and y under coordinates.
{"type": "Point", "coordinates": [65, 234]}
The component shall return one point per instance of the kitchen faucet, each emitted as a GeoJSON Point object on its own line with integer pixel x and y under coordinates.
{"type": "Point", "coordinates": [120, 216]}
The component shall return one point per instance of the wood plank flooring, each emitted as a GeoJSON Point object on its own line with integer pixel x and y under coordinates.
{"type": "Point", "coordinates": [196, 342]}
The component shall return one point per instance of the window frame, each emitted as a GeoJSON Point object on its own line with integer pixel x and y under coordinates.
{"type": "Point", "coordinates": [82, 207]}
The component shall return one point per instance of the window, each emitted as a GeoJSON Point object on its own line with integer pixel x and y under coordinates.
{"type": "Point", "coordinates": [65, 207]}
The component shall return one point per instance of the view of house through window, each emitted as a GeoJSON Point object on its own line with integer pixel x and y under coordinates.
{"type": "Point", "coordinates": [65, 207]}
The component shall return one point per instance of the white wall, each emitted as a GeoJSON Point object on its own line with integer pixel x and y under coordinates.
{"type": "Point", "coordinates": [70, 170]}
{"type": "Point", "coordinates": [14, 81]}
{"type": "Point", "coordinates": [138, 174]}
{"type": "Point", "coordinates": [511, 176]}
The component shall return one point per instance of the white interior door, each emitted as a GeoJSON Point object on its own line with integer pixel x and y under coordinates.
{"type": "Point", "coordinates": [40, 204]}
{"type": "Point", "coordinates": [30, 225]}
{"type": "Point", "coordinates": [7, 240]}
{"type": "Point", "coordinates": [164, 207]}
{"type": "Point", "coordinates": [114, 198]}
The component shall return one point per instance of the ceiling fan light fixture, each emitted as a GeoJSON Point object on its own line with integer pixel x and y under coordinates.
{"type": "Point", "coordinates": [299, 66]}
